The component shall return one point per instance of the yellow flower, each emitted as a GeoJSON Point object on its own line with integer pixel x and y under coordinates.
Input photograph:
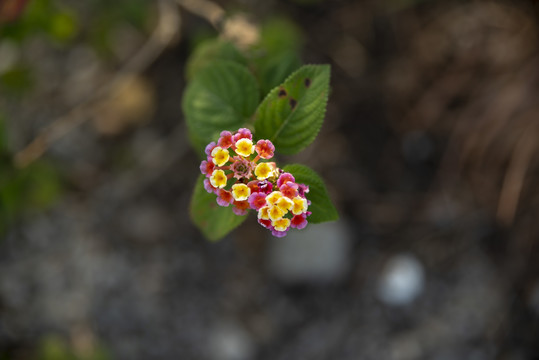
{"type": "Point", "coordinates": [284, 204]}
{"type": "Point", "coordinates": [272, 198]}
{"type": "Point", "coordinates": [240, 192]}
{"type": "Point", "coordinates": [263, 213]}
{"type": "Point", "coordinates": [300, 205]}
{"type": "Point", "coordinates": [275, 213]}
{"type": "Point", "coordinates": [263, 171]}
{"type": "Point", "coordinates": [220, 156]}
{"type": "Point", "coordinates": [244, 147]}
{"type": "Point", "coordinates": [218, 179]}
{"type": "Point", "coordinates": [281, 224]}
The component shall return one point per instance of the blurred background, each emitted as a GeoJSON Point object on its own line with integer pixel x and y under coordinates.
{"type": "Point", "coordinates": [429, 149]}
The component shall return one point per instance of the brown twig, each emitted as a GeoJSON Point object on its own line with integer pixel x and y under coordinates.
{"type": "Point", "coordinates": [206, 9]}
{"type": "Point", "coordinates": [167, 28]}
{"type": "Point", "coordinates": [515, 175]}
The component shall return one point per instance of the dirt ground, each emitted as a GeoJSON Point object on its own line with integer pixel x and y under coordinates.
{"type": "Point", "coordinates": [430, 152]}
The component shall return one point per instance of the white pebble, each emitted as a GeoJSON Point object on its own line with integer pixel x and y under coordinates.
{"type": "Point", "coordinates": [401, 281]}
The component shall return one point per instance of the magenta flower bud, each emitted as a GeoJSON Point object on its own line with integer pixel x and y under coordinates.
{"type": "Point", "coordinates": [302, 190]}
{"type": "Point", "coordinates": [265, 186]}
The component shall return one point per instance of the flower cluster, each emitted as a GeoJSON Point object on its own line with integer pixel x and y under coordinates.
{"type": "Point", "coordinates": [239, 173]}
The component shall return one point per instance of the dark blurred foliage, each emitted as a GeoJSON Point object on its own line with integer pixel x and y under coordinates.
{"type": "Point", "coordinates": [429, 149]}
{"type": "Point", "coordinates": [10, 10]}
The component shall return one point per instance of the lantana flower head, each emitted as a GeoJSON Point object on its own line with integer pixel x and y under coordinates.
{"type": "Point", "coordinates": [238, 172]}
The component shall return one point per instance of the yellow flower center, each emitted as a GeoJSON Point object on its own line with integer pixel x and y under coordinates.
{"type": "Point", "coordinates": [281, 224]}
{"type": "Point", "coordinates": [272, 198]}
{"type": "Point", "coordinates": [220, 156]}
{"type": "Point", "coordinates": [218, 179]}
{"type": "Point", "coordinates": [240, 192]}
{"type": "Point", "coordinates": [300, 205]}
{"type": "Point", "coordinates": [284, 204]}
{"type": "Point", "coordinates": [263, 171]}
{"type": "Point", "coordinates": [263, 213]}
{"type": "Point", "coordinates": [275, 213]}
{"type": "Point", "coordinates": [244, 147]}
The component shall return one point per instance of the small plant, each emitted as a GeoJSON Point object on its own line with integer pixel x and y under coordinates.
{"type": "Point", "coordinates": [237, 133]}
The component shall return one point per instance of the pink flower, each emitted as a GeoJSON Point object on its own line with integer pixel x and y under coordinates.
{"type": "Point", "coordinates": [208, 187]}
{"type": "Point", "coordinates": [257, 200]}
{"type": "Point", "coordinates": [243, 133]}
{"type": "Point", "coordinates": [265, 149]}
{"type": "Point", "coordinates": [265, 223]}
{"type": "Point", "coordinates": [289, 189]}
{"type": "Point", "coordinates": [224, 198]}
{"type": "Point", "coordinates": [207, 167]}
{"type": "Point", "coordinates": [226, 140]}
{"type": "Point", "coordinates": [278, 234]}
{"type": "Point", "coordinates": [240, 207]}
{"type": "Point", "coordinates": [284, 178]}
{"type": "Point", "coordinates": [299, 221]}
{"type": "Point", "coordinates": [210, 147]}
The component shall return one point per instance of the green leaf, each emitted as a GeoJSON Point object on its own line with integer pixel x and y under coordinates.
{"type": "Point", "coordinates": [276, 55]}
{"type": "Point", "coordinates": [273, 70]}
{"type": "Point", "coordinates": [213, 220]}
{"type": "Point", "coordinates": [63, 26]}
{"type": "Point", "coordinates": [53, 347]}
{"type": "Point", "coordinates": [42, 185]}
{"type": "Point", "coordinates": [17, 80]}
{"type": "Point", "coordinates": [3, 136]}
{"type": "Point", "coordinates": [321, 206]}
{"type": "Point", "coordinates": [292, 113]}
{"type": "Point", "coordinates": [223, 96]}
{"type": "Point", "coordinates": [280, 35]}
{"type": "Point", "coordinates": [209, 51]}
{"type": "Point", "coordinates": [12, 193]}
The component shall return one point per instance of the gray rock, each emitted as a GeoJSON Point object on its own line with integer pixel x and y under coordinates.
{"type": "Point", "coordinates": [230, 341]}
